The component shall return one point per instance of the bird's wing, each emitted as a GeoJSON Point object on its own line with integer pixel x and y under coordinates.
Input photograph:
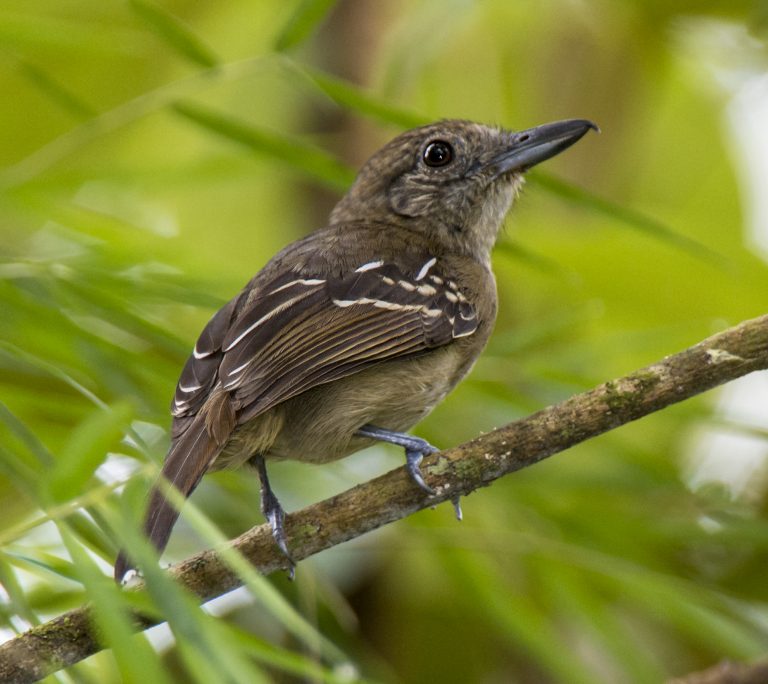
{"type": "Point", "coordinates": [300, 332]}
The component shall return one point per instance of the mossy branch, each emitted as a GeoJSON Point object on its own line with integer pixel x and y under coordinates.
{"type": "Point", "coordinates": [723, 357]}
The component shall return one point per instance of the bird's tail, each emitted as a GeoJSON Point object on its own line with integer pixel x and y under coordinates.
{"type": "Point", "coordinates": [189, 457]}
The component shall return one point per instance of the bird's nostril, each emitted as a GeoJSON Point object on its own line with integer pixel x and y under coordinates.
{"type": "Point", "coordinates": [523, 137]}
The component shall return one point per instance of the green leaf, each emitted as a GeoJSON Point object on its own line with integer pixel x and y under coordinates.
{"type": "Point", "coordinates": [302, 667]}
{"type": "Point", "coordinates": [208, 652]}
{"type": "Point", "coordinates": [575, 601]}
{"type": "Point", "coordinates": [356, 99]}
{"type": "Point", "coordinates": [86, 449]}
{"type": "Point", "coordinates": [42, 564]}
{"type": "Point", "coordinates": [17, 599]}
{"type": "Point", "coordinates": [257, 584]}
{"type": "Point", "coordinates": [519, 618]}
{"type": "Point", "coordinates": [26, 436]}
{"type": "Point", "coordinates": [90, 530]}
{"type": "Point", "coordinates": [535, 260]}
{"type": "Point", "coordinates": [81, 35]}
{"type": "Point", "coordinates": [298, 154]}
{"type": "Point", "coordinates": [627, 216]}
{"type": "Point", "coordinates": [17, 354]}
{"type": "Point", "coordinates": [302, 22]}
{"type": "Point", "coordinates": [134, 655]}
{"type": "Point", "coordinates": [175, 33]}
{"type": "Point", "coordinates": [57, 92]}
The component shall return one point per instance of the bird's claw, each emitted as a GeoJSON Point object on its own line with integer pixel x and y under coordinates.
{"type": "Point", "coordinates": [412, 461]}
{"type": "Point", "coordinates": [456, 501]}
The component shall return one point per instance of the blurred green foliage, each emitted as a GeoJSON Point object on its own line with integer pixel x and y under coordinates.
{"type": "Point", "coordinates": [155, 153]}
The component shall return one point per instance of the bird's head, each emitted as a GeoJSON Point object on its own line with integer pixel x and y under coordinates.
{"type": "Point", "coordinates": [454, 180]}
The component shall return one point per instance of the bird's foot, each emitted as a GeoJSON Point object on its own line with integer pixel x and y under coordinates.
{"type": "Point", "coordinates": [415, 449]}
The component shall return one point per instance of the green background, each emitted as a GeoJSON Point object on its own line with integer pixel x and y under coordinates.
{"type": "Point", "coordinates": [156, 154]}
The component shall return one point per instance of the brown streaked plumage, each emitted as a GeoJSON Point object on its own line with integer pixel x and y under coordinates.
{"type": "Point", "coordinates": [361, 327]}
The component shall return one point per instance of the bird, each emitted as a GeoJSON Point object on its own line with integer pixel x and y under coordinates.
{"type": "Point", "coordinates": [353, 334]}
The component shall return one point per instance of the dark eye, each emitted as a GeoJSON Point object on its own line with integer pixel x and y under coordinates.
{"type": "Point", "coordinates": [438, 153]}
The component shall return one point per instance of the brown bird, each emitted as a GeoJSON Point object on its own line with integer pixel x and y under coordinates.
{"type": "Point", "coordinates": [354, 333]}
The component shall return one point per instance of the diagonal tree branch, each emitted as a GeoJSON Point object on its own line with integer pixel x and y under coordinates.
{"type": "Point", "coordinates": [723, 357]}
{"type": "Point", "coordinates": [728, 673]}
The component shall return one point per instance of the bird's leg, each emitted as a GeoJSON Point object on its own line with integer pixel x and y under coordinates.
{"type": "Point", "coordinates": [272, 510]}
{"type": "Point", "coordinates": [415, 450]}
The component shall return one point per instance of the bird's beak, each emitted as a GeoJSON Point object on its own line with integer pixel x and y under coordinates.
{"type": "Point", "coordinates": [535, 145]}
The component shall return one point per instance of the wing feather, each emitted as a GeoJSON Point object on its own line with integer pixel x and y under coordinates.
{"type": "Point", "coordinates": [334, 363]}
{"type": "Point", "coordinates": [299, 331]}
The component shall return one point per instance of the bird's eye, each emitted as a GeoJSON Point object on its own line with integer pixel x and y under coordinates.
{"type": "Point", "coordinates": [438, 153]}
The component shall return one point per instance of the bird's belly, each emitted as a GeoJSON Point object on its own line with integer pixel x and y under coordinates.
{"type": "Point", "coordinates": [320, 424]}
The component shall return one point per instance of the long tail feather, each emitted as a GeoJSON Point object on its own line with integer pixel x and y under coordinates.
{"type": "Point", "coordinates": [189, 458]}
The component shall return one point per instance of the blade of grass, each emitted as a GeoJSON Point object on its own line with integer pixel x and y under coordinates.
{"type": "Point", "coordinates": [302, 22]}
{"type": "Point", "coordinates": [94, 495]}
{"type": "Point", "coordinates": [257, 584]}
{"type": "Point", "coordinates": [300, 666]}
{"type": "Point", "coordinates": [693, 614]}
{"type": "Point", "coordinates": [27, 437]}
{"type": "Point", "coordinates": [358, 100]}
{"type": "Point", "coordinates": [17, 354]}
{"type": "Point", "coordinates": [85, 37]}
{"type": "Point", "coordinates": [91, 531]}
{"type": "Point", "coordinates": [85, 449]}
{"type": "Point", "coordinates": [41, 564]}
{"type": "Point", "coordinates": [208, 651]}
{"type": "Point", "coordinates": [135, 657]}
{"type": "Point", "coordinates": [519, 618]}
{"type": "Point", "coordinates": [57, 92]}
{"type": "Point", "coordinates": [55, 371]}
{"type": "Point", "coordinates": [17, 597]}
{"type": "Point", "coordinates": [116, 118]}
{"type": "Point", "coordinates": [595, 622]}
{"type": "Point", "coordinates": [626, 216]}
{"type": "Point", "coordinates": [175, 33]}
{"type": "Point", "coordinates": [706, 615]}
{"type": "Point", "coordinates": [535, 260]}
{"type": "Point", "coordinates": [298, 154]}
